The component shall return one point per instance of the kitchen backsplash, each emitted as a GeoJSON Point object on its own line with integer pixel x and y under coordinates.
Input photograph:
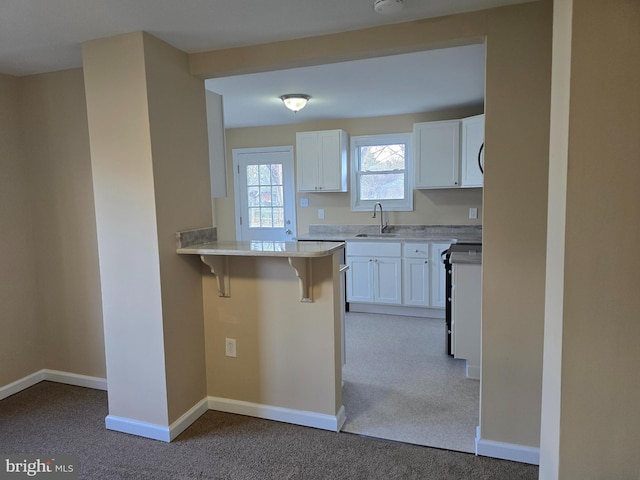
{"type": "Point", "coordinates": [453, 231]}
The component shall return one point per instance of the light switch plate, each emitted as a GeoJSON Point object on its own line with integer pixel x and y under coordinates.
{"type": "Point", "coordinates": [473, 213]}
{"type": "Point", "coordinates": [321, 213]}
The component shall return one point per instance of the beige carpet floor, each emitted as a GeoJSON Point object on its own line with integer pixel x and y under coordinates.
{"type": "Point", "coordinates": [51, 418]}
{"type": "Point", "coordinates": [399, 383]}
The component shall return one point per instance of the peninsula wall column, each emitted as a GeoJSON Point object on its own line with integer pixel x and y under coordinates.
{"type": "Point", "coordinates": [149, 157]}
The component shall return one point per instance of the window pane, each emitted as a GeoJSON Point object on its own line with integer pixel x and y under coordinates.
{"type": "Point", "coordinates": [277, 197]}
{"type": "Point", "coordinates": [265, 218]}
{"type": "Point", "coordinates": [388, 186]}
{"type": "Point", "coordinates": [276, 174]}
{"type": "Point", "coordinates": [376, 158]}
{"type": "Point", "coordinates": [253, 196]}
{"type": "Point", "coordinates": [252, 175]}
{"type": "Point", "coordinates": [265, 175]}
{"type": "Point", "coordinates": [278, 217]}
{"type": "Point", "coordinates": [254, 218]}
{"type": "Point", "coordinates": [265, 196]}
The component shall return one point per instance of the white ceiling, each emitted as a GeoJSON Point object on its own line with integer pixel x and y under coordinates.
{"type": "Point", "coordinates": [410, 83]}
{"type": "Point", "coordinates": [39, 36]}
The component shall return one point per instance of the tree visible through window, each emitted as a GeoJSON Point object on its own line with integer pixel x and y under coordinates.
{"type": "Point", "coordinates": [380, 172]}
{"type": "Point", "coordinates": [265, 196]}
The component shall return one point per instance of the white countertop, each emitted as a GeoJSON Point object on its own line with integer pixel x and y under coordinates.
{"type": "Point", "coordinates": [393, 237]}
{"type": "Point", "coordinates": [263, 249]}
{"type": "Point", "coordinates": [394, 233]}
{"type": "Point", "coordinates": [468, 258]}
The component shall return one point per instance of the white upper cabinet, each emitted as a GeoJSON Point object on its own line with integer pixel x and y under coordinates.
{"type": "Point", "coordinates": [321, 161]}
{"type": "Point", "coordinates": [437, 154]}
{"type": "Point", "coordinates": [472, 151]}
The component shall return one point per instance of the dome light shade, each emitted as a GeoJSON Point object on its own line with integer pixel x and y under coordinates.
{"type": "Point", "coordinates": [295, 101]}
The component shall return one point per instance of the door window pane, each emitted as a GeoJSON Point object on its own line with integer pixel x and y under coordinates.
{"type": "Point", "coordinates": [265, 196]}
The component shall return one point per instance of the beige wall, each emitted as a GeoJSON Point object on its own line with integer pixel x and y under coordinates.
{"type": "Point", "coordinates": [595, 398]}
{"type": "Point", "coordinates": [56, 148]}
{"type": "Point", "coordinates": [432, 207]}
{"type": "Point", "coordinates": [183, 201]}
{"type": "Point", "coordinates": [149, 154]}
{"type": "Point", "coordinates": [287, 351]}
{"type": "Point", "coordinates": [514, 228]}
{"type": "Point", "coordinates": [556, 221]}
{"type": "Point", "coordinates": [122, 166]}
{"type": "Point", "coordinates": [21, 340]}
{"type": "Point", "coordinates": [518, 40]}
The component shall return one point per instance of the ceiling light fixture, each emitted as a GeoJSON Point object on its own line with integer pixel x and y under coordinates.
{"type": "Point", "coordinates": [295, 101]}
{"type": "Point", "coordinates": [388, 6]}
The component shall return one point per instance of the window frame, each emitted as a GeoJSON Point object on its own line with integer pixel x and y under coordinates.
{"type": "Point", "coordinates": [404, 205]}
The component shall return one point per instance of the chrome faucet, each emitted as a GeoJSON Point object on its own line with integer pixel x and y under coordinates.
{"type": "Point", "coordinates": [382, 226]}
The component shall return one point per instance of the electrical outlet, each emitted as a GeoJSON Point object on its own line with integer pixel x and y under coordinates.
{"type": "Point", "coordinates": [230, 347]}
{"type": "Point", "coordinates": [473, 213]}
{"type": "Point", "coordinates": [321, 213]}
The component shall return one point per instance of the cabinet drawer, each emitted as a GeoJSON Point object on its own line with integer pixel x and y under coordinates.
{"type": "Point", "coordinates": [374, 249]}
{"type": "Point", "coordinates": [415, 250]}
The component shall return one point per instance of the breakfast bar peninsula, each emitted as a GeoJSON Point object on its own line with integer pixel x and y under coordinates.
{"type": "Point", "coordinates": [272, 313]}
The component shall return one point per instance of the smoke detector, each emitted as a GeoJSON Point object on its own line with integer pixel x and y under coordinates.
{"type": "Point", "coordinates": [388, 6]}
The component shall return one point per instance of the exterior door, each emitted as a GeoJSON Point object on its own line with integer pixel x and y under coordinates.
{"type": "Point", "coordinates": [264, 194]}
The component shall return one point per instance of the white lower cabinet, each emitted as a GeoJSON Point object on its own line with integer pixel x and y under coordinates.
{"type": "Point", "coordinates": [466, 308]}
{"type": "Point", "coordinates": [387, 285]}
{"type": "Point", "coordinates": [374, 274]}
{"type": "Point", "coordinates": [393, 273]}
{"type": "Point", "coordinates": [438, 290]}
{"type": "Point", "coordinates": [416, 274]}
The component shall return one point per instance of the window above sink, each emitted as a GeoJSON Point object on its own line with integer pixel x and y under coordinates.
{"type": "Point", "coordinates": [380, 172]}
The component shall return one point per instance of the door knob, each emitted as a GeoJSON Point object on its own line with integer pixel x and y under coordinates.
{"type": "Point", "coordinates": [287, 231]}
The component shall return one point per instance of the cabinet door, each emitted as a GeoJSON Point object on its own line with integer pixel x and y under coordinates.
{"type": "Point", "coordinates": [471, 142]}
{"type": "Point", "coordinates": [360, 279]}
{"type": "Point", "coordinates": [438, 287]}
{"type": "Point", "coordinates": [437, 154]}
{"type": "Point", "coordinates": [332, 158]}
{"type": "Point", "coordinates": [387, 282]}
{"type": "Point", "coordinates": [307, 161]}
{"type": "Point", "coordinates": [415, 282]}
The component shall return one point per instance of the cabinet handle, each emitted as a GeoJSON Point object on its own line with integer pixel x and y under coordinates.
{"type": "Point", "coordinates": [479, 162]}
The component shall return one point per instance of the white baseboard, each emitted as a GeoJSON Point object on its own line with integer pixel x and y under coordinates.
{"type": "Point", "coordinates": [188, 418]}
{"type": "Point", "coordinates": [287, 415]}
{"type": "Point", "coordinates": [21, 384]}
{"type": "Point", "coordinates": [52, 376]}
{"type": "Point", "coordinates": [75, 379]}
{"type": "Point", "coordinates": [154, 431]}
{"type": "Point", "coordinates": [506, 451]}
{"type": "Point", "coordinates": [168, 433]}
{"type": "Point", "coordinates": [397, 310]}
{"type": "Point", "coordinates": [135, 427]}
{"type": "Point", "coordinates": [473, 371]}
